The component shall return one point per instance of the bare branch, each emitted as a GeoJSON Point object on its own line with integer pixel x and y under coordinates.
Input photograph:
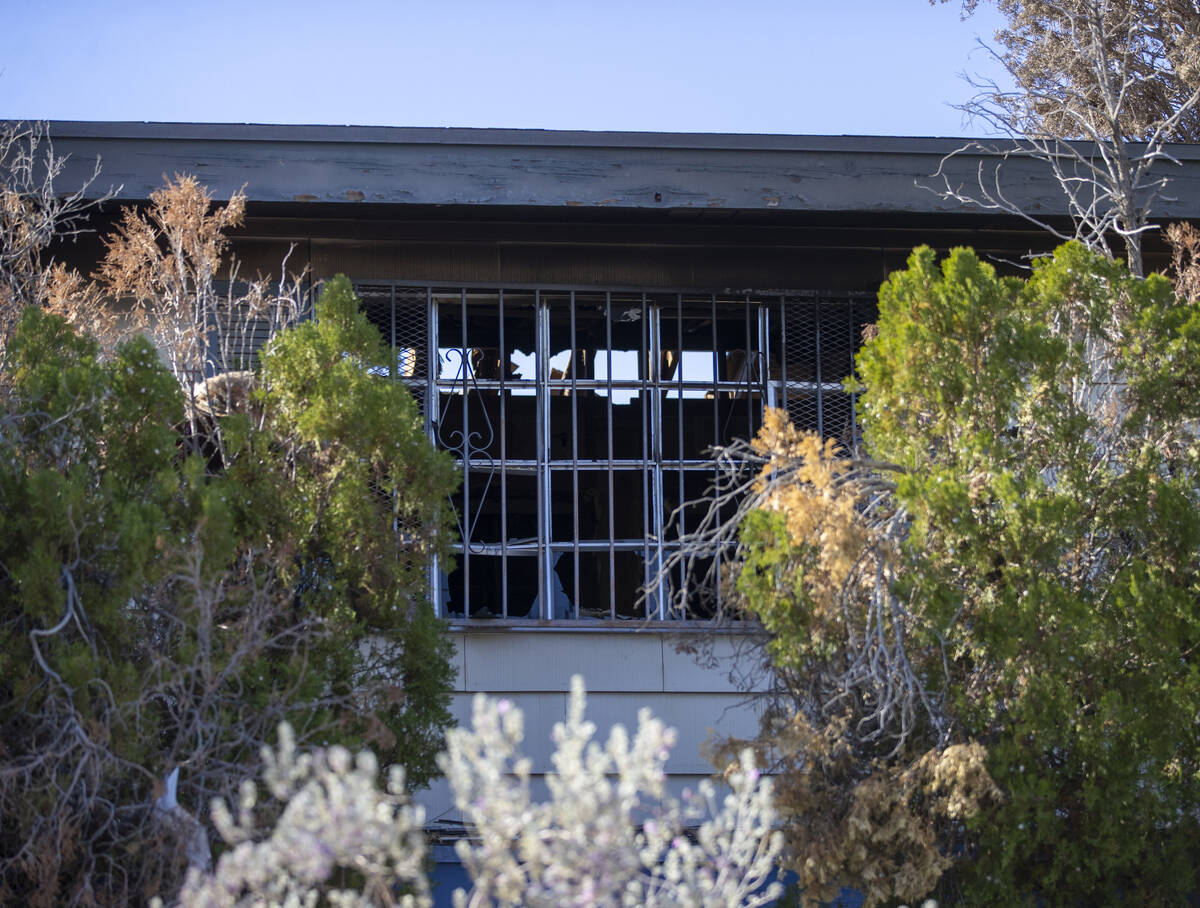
{"type": "Point", "coordinates": [1103, 85]}
{"type": "Point", "coordinates": [783, 471]}
{"type": "Point", "coordinates": [34, 214]}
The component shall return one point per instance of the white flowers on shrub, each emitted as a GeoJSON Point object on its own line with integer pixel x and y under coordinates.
{"type": "Point", "coordinates": [337, 829]}
{"type": "Point", "coordinates": [609, 835]}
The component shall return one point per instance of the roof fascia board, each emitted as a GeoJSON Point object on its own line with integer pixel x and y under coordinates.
{"type": "Point", "coordinates": [539, 168]}
{"type": "Point", "coordinates": [544, 138]}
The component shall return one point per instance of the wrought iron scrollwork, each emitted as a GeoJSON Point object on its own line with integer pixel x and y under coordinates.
{"type": "Point", "coordinates": [468, 446]}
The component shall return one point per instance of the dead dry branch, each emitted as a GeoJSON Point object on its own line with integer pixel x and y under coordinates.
{"type": "Point", "coordinates": [848, 504]}
{"type": "Point", "coordinates": [1185, 259]}
{"type": "Point", "coordinates": [35, 215]}
{"type": "Point", "coordinates": [171, 261]}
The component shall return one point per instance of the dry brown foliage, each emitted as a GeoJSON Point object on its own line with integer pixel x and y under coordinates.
{"type": "Point", "coordinates": [33, 216]}
{"type": "Point", "coordinates": [845, 526]}
{"type": "Point", "coordinates": [1184, 240]}
{"type": "Point", "coordinates": [70, 295]}
{"type": "Point", "coordinates": [885, 824]}
{"type": "Point", "coordinates": [870, 774]}
{"type": "Point", "coordinates": [168, 261]}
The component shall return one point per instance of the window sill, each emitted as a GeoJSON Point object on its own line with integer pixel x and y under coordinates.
{"type": "Point", "coordinates": [599, 625]}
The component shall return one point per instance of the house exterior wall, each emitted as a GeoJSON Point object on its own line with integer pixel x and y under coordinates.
{"type": "Point", "coordinates": [727, 214]}
{"type": "Point", "coordinates": [625, 671]}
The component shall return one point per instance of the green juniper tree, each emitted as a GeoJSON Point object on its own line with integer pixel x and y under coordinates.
{"type": "Point", "coordinates": [166, 601]}
{"type": "Point", "coordinates": [986, 625]}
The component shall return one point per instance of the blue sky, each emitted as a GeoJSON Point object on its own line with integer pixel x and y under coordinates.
{"type": "Point", "coordinates": [884, 67]}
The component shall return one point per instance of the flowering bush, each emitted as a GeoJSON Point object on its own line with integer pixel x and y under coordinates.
{"type": "Point", "coordinates": [610, 834]}
{"type": "Point", "coordinates": [339, 836]}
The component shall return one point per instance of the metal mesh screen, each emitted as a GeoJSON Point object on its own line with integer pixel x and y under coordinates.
{"type": "Point", "coordinates": [411, 338]}
{"type": "Point", "coordinates": [820, 336]}
{"type": "Point", "coordinates": [401, 315]}
{"type": "Point", "coordinates": [376, 303]}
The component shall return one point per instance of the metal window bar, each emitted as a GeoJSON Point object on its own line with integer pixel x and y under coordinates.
{"type": "Point", "coordinates": [464, 365]}
{"type": "Point", "coordinates": [774, 358]}
{"type": "Point", "coordinates": [854, 440]}
{"type": "Point", "coordinates": [573, 365]}
{"type": "Point", "coordinates": [716, 396]}
{"type": "Point", "coordinates": [748, 367]}
{"type": "Point", "coordinates": [432, 367]}
{"type": "Point", "coordinates": [541, 454]}
{"type": "Point", "coordinates": [820, 383]}
{"type": "Point", "coordinates": [679, 422]}
{"type": "Point", "coordinates": [612, 557]}
{"type": "Point", "coordinates": [764, 354]}
{"type": "Point", "coordinates": [658, 505]}
{"type": "Point", "coordinates": [503, 472]}
{"type": "Point", "coordinates": [783, 370]}
{"type": "Point", "coordinates": [644, 367]}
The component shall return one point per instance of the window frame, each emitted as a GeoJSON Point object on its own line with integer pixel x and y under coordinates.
{"type": "Point", "coordinates": [771, 386]}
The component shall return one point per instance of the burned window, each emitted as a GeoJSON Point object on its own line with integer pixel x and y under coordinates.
{"type": "Point", "coordinates": [581, 422]}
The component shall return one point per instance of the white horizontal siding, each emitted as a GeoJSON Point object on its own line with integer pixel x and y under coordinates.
{"type": "Point", "coordinates": [695, 718]}
{"type": "Point", "coordinates": [624, 672]}
{"type": "Point", "coordinates": [632, 662]}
